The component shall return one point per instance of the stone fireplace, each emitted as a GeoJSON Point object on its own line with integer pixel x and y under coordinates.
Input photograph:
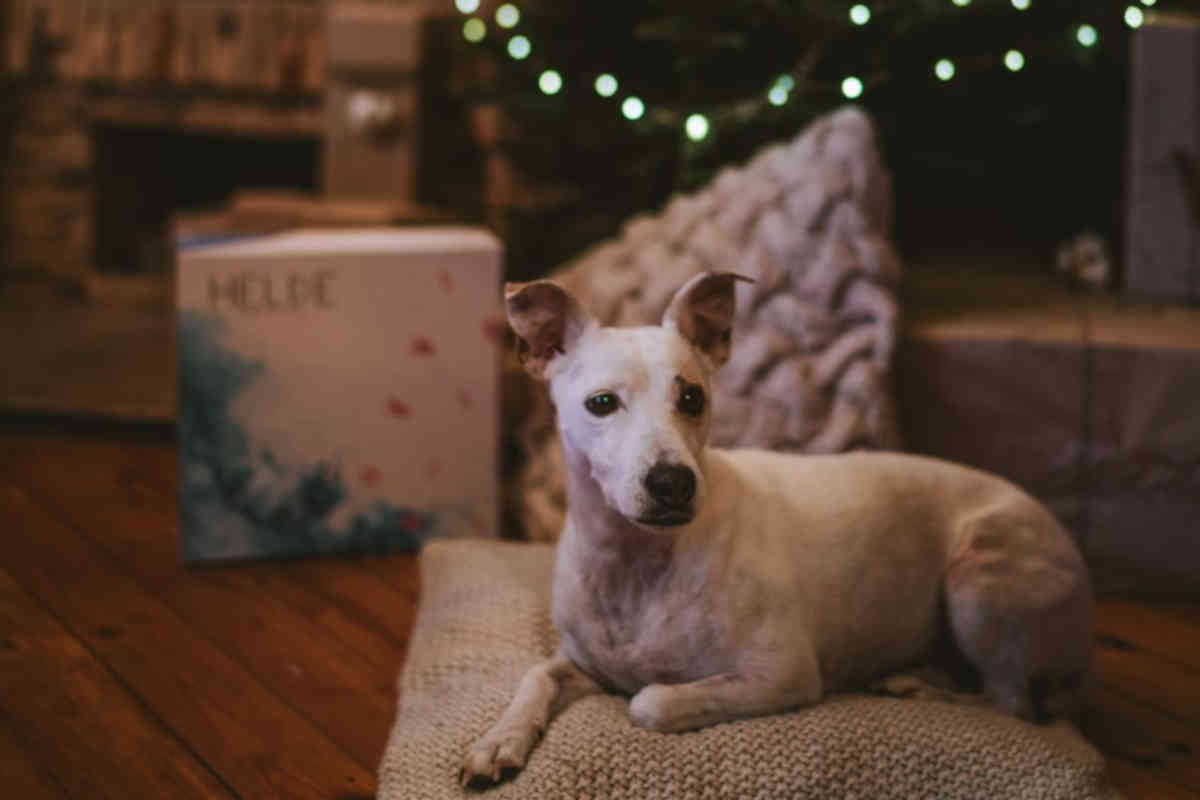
{"type": "Point", "coordinates": [118, 116]}
{"type": "Point", "coordinates": [143, 176]}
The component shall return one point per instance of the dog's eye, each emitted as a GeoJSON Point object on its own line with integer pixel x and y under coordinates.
{"type": "Point", "coordinates": [602, 403]}
{"type": "Point", "coordinates": [691, 401]}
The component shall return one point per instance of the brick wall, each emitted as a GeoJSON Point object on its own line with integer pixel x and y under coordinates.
{"type": "Point", "coordinates": [47, 213]}
{"type": "Point", "coordinates": [251, 68]}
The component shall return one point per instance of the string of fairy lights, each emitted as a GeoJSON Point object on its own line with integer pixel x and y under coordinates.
{"type": "Point", "coordinates": [696, 125]}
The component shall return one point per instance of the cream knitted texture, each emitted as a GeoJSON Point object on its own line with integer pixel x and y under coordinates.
{"type": "Point", "coordinates": [810, 221]}
{"type": "Point", "coordinates": [484, 619]}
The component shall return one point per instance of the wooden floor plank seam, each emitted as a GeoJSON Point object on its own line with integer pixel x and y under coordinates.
{"type": "Point", "coordinates": [1173, 714]}
{"type": "Point", "coordinates": [160, 493]}
{"type": "Point", "coordinates": [134, 695]}
{"type": "Point", "coordinates": [1118, 642]}
{"type": "Point", "coordinates": [368, 620]}
{"type": "Point", "coordinates": [286, 577]}
{"type": "Point", "coordinates": [1150, 761]}
{"type": "Point", "coordinates": [43, 770]}
{"type": "Point", "coordinates": [368, 763]}
{"type": "Point", "coordinates": [1150, 765]}
{"type": "Point", "coordinates": [365, 616]}
{"type": "Point", "coordinates": [117, 565]}
{"type": "Point", "coordinates": [235, 657]}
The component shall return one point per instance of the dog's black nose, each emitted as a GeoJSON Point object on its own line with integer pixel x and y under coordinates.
{"type": "Point", "coordinates": [672, 485]}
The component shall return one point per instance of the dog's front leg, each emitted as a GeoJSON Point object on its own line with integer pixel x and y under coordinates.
{"type": "Point", "coordinates": [720, 698]}
{"type": "Point", "coordinates": [544, 691]}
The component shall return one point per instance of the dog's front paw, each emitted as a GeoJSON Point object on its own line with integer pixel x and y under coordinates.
{"type": "Point", "coordinates": [650, 708]}
{"type": "Point", "coordinates": [498, 755]}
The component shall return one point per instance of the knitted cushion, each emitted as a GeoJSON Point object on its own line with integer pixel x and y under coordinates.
{"type": "Point", "coordinates": [484, 619]}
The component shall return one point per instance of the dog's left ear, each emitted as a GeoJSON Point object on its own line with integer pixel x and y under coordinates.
{"type": "Point", "coordinates": [702, 312]}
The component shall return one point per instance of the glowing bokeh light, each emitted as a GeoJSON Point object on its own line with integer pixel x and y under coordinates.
{"type": "Point", "coordinates": [1134, 17]}
{"type": "Point", "coordinates": [550, 81]}
{"type": "Point", "coordinates": [1014, 60]}
{"type": "Point", "coordinates": [474, 29]}
{"type": "Point", "coordinates": [860, 14]}
{"type": "Point", "coordinates": [696, 126]}
{"type": "Point", "coordinates": [633, 108]}
{"type": "Point", "coordinates": [944, 69]}
{"type": "Point", "coordinates": [777, 96]}
{"type": "Point", "coordinates": [852, 87]}
{"type": "Point", "coordinates": [606, 85]}
{"type": "Point", "coordinates": [519, 47]}
{"type": "Point", "coordinates": [508, 15]}
{"type": "Point", "coordinates": [1087, 36]}
{"type": "Point", "coordinates": [467, 6]}
{"type": "Point", "coordinates": [1020, 5]}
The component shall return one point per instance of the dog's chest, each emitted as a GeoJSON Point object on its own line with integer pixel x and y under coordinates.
{"type": "Point", "coordinates": [630, 636]}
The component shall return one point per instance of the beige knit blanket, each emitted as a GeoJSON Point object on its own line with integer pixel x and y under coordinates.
{"type": "Point", "coordinates": [484, 619]}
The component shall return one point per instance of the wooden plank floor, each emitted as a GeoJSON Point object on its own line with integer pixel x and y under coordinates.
{"type": "Point", "coordinates": [123, 674]}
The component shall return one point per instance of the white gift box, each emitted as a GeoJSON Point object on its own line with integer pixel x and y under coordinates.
{"type": "Point", "coordinates": [338, 391]}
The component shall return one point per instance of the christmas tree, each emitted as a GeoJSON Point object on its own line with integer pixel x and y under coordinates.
{"type": "Point", "coordinates": [1006, 109]}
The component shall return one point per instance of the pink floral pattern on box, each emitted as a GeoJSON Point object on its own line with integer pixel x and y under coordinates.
{"type": "Point", "coordinates": [376, 358]}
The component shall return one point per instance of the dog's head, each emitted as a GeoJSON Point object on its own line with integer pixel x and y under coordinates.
{"type": "Point", "coordinates": [633, 403]}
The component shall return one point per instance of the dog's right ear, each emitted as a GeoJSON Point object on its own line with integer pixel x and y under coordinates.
{"type": "Point", "coordinates": [547, 319]}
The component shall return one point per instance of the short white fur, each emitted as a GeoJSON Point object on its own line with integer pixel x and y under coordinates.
{"type": "Point", "coordinates": [792, 576]}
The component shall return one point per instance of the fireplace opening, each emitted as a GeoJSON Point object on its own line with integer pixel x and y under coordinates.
{"type": "Point", "coordinates": [145, 175]}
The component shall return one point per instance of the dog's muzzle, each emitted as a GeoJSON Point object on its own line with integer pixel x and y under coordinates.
{"type": "Point", "coordinates": [671, 487]}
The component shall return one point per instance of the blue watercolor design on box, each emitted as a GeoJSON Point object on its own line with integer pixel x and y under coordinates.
{"type": "Point", "coordinates": [237, 500]}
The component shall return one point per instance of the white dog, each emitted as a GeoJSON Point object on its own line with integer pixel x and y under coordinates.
{"type": "Point", "coordinates": [712, 584]}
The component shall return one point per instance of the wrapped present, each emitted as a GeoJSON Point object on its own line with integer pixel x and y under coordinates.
{"type": "Point", "coordinates": [1163, 196]}
{"type": "Point", "coordinates": [372, 99]}
{"type": "Point", "coordinates": [337, 390]}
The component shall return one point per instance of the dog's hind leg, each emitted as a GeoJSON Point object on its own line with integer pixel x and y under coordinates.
{"type": "Point", "coordinates": [1020, 609]}
{"type": "Point", "coordinates": [544, 691]}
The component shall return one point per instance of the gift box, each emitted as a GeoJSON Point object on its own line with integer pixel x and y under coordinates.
{"type": "Point", "coordinates": [338, 391]}
{"type": "Point", "coordinates": [1163, 196]}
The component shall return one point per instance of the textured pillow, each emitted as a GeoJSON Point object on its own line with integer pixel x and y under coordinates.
{"type": "Point", "coordinates": [810, 221]}
{"type": "Point", "coordinates": [484, 619]}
